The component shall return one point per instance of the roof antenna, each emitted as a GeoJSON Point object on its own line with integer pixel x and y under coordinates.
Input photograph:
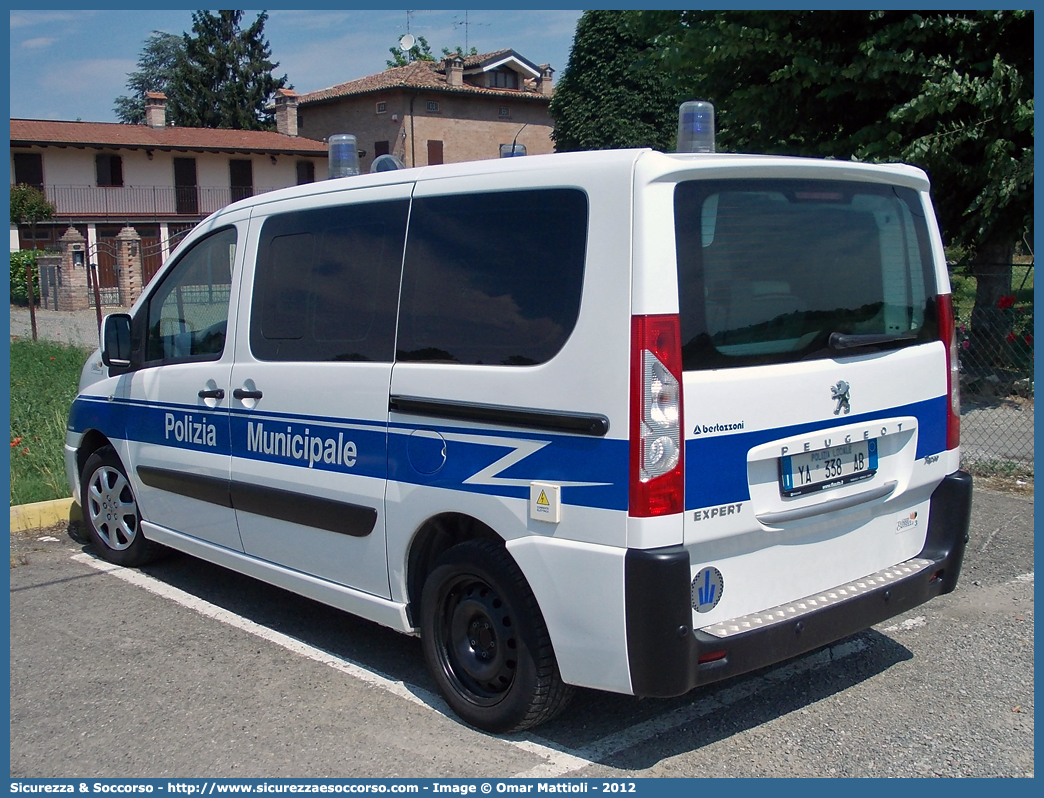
{"type": "Point", "coordinates": [406, 42]}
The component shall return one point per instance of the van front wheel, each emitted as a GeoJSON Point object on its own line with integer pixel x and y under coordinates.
{"type": "Point", "coordinates": [110, 511]}
{"type": "Point", "coordinates": [486, 642]}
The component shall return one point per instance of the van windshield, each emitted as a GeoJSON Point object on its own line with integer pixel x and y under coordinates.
{"type": "Point", "coordinates": [773, 271]}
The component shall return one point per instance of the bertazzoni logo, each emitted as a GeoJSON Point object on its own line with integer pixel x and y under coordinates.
{"type": "Point", "coordinates": [709, 429]}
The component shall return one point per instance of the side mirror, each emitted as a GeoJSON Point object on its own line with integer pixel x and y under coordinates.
{"type": "Point", "coordinates": [116, 340]}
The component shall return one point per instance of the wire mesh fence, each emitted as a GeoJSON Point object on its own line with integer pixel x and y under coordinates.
{"type": "Point", "coordinates": [995, 348]}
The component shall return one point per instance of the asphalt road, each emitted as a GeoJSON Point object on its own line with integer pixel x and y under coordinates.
{"type": "Point", "coordinates": [184, 669]}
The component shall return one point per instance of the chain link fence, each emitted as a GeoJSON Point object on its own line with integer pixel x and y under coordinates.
{"type": "Point", "coordinates": [995, 348]}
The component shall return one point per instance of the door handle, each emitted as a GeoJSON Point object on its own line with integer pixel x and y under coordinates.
{"type": "Point", "coordinates": [215, 393]}
{"type": "Point", "coordinates": [239, 393]}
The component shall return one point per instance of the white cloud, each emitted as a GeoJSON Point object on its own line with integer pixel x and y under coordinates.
{"type": "Point", "coordinates": [25, 19]}
{"type": "Point", "coordinates": [37, 44]}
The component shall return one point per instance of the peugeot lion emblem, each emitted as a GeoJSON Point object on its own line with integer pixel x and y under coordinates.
{"type": "Point", "coordinates": [840, 395]}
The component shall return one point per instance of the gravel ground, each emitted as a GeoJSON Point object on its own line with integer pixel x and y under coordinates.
{"type": "Point", "coordinates": [1000, 432]}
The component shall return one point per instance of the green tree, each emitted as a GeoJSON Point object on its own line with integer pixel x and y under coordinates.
{"type": "Point", "coordinates": [458, 50]}
{"type": "Point", "coordinates": [950, 91]}
{"type": "Point", "coordinates": [224, 76]}
{"type": "Point", "coordinates": [156, 68]}
{"type": "Point", "coordinates": [29, 206]}
{"type": "Point", "coordinates": [601, 101]}
{"type": "Point", "coordinates": [421, 51]}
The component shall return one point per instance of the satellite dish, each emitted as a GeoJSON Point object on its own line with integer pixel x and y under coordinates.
{"type": "Point", "coordinates": [406, 42]}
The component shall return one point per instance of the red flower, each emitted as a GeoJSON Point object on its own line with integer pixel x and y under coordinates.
{"type": "Point", "coordinates": [16, 441]}
{"type": "Point", "coordinates": [1010, 338]}
{"type": "Point", "coordinates": [52, 358]}
{"type": "Point", "coordinates": [25, 450]}
{"type": "Point", "coordinates": [1028, 339]}
{"type": "Point", "coordinates": [1006, 302]}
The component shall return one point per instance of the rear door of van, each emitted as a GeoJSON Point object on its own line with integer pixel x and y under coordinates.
{"type": "Point", "coordinates": [815, 382]}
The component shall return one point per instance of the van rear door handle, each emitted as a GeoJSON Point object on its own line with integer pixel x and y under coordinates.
{"type": "Point", "coordinates": [215, 393]}
{"type": "Point", "coordinates": [833, 505]}
{"type": "Point", "coordinates": [239, 393]}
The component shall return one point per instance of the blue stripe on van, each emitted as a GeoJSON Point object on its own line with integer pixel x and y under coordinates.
{"type": "Point", "coordinates": [319, 443]}
{"type": "Point", "coordinates": [184, 426]}
{"type": "Point", "coordinates": [716, 467]}
{"type": "Point", "coordinates": [561, 458]}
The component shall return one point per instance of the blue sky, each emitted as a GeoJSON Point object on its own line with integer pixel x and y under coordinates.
{"type": "Point", "coordinates": [71, 64]}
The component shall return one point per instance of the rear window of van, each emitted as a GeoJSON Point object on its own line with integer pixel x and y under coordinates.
{"type": "Point", "coordinates": [774, 271]}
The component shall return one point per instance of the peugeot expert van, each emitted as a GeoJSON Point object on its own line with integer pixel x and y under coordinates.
{"type": "Point", "coordinates": [626, 420]}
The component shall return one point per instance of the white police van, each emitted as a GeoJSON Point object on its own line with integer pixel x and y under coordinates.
{"type": "Point", "coordinates": [627, 420]}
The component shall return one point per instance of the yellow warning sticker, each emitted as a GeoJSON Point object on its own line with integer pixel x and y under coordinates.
{"type": "Point", "coordinates": [542, 499]}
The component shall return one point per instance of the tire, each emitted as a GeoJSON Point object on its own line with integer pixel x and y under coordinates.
{"type": "Point", "coordinates": [486, 642]}
{"type": "Point", "coordinates": [110, 511]}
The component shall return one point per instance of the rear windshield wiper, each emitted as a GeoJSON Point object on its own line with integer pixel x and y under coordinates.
{"type": "Point", "coordinates": [845, 341]}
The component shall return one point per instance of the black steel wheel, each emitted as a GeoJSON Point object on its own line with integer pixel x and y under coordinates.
{"type": "Point", "coordinates": [486, 642]}
{"type": "Point", "coordinates": [110, 511]}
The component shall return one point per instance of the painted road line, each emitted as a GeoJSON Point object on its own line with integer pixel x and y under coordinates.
{"type": "Point", "coordinates": [559, 760]}
{"type": "Point", "coordinates": [415, 695]}
{"type": "Point", "coordinates": [556, 756]}
{"type": "Point", "coordinates": [602, 749]}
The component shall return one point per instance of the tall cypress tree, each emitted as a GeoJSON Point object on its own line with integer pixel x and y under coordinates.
{"type": "Point", "coordinates": [605, 99]}
{"type": "Point", "coordinates": [155, 72]}
{"type": "Point", "coordinates": [225, 75]}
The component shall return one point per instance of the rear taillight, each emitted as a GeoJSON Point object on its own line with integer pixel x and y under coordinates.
{"type": "Point", "coordinates": [948, 335]}
{"type": "Point", "coordinates": [657, 484]}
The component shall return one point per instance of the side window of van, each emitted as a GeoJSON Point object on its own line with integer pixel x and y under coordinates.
{"type": "Point", "coordinates": [188, 313]}
{"type": "Point", "coordinates": [493, 278]}
{"type": "Point", "coordinates": [327, 283]}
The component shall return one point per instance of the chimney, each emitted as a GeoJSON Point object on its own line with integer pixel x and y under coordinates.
{"type": "Point", "coordinates": [544, 83]}
{"type": "Point", "coordinates": [286, 112]}
{"type": "Point", "coordinates": [455, 71]}
{"type": "Point", "coordinates": [156, 109]}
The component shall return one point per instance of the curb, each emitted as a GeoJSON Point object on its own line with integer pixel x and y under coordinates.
{"type": "Point", "coordinates": [44, 514]}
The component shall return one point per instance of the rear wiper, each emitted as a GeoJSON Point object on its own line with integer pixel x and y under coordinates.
{"type": "Point", "coordinates": [845, 341]}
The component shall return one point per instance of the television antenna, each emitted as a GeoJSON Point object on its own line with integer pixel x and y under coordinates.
{"type": "Point", "coordinates": [466, 25]}
{"type": "Point", "coordinates": [407, 41]}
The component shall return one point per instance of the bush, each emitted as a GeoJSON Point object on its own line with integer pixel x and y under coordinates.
{"type": "Point", "coordinates": [20, 261]}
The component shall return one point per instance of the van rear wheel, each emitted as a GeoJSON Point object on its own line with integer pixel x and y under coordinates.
{"type": "Point", "coordinates": [110, 511]}
{"type": "Point", "coordinates": [486, 642]}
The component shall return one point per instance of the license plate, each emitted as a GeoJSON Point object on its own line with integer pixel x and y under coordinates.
{"type": "Point", "coordinates": [823, 469]}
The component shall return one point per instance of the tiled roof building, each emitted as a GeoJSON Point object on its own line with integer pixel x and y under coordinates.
{"type": "Point", "coordinates": [42, 133]}
{"type": "Point", "coordinates": [152, 180]}
{"type": "Point", "coordinates": [457, 109]}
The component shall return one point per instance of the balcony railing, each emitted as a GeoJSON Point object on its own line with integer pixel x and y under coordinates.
{"type": "Point", "coordinates": [151, 201]}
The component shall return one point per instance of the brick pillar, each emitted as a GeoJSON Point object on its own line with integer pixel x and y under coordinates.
{"type": "Point", "coordinates": [72, 271]}
{"type": "Point", "coordinates": [128, 265]}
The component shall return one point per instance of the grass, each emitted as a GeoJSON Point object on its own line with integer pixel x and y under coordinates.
{"type": "Point", "coordinates": [998, 468]}
{"type": "Point", "coordinates": [44, 378]}
{"type": "Point", "coordinates": [963, 286]}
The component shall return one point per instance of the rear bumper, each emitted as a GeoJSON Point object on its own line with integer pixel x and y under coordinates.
{"type": "Point", "coordinates": [664, 651]}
